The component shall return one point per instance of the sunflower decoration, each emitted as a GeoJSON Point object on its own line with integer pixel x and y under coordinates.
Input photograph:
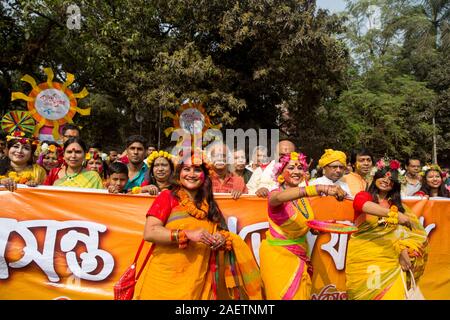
{"type": "Point", "coordinates": [51, 103]}
{"type": "Point", "coordinates": [192, 117]}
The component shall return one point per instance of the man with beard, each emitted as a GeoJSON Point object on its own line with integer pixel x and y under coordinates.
{"type": "Point", "coordinates": [360, 178]}
{"type": "Point", "coordinates": [136, 150]}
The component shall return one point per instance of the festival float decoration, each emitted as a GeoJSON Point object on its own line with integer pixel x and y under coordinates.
{"type": "Point", "coordinates": [193, 119]}
{"type": "Point", "coordinates": [51, 104]}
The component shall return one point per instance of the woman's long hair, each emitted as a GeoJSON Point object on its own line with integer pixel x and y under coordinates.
{"type": "Point", "coordinates": [425, 188]}
{"type": "Point", "coordinates": [204, 192]}
{"type": "Point", "coordinates": [393, 196]}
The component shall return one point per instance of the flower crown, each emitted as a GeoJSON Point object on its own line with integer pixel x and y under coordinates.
{"type": "Point", "coordinates": [392, 165]}
{"type": "Point", "coordinates": [44, 149]}
{"type": "Point", "coordinates": [21, 136]}
{"type": "Point", "coordinates": [284, 160]}
{"type": "Point", "coordinates": [434, 167]}
{"type": "Point", "coordinates": [157, 154]}
{"type": "Point", "coordinates": [95, 155]}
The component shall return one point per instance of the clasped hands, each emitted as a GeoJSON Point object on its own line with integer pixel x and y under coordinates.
{"type": "Point", "coordinates": [214, 241]}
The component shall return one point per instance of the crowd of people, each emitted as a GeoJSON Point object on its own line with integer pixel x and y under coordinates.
{"type": "Point", "coordinates": [196, 257]}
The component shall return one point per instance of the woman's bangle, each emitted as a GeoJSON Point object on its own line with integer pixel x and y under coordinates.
{"type": "Point", "coordinates": [174, 235]}
{"type": "Point", "coordinates": [228, 244]}
{"type": "Point", "coordinates": [182, 239]}
{"type": "Point", "coordinates": [311, 191]}
{"type": "Point", "coordinates": [392, 216]}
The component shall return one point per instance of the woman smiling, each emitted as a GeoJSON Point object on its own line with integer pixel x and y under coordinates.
{"type": "Point", "coordinates": [20, 167]}
{"type": "Point", "coordinates": [73, 174]}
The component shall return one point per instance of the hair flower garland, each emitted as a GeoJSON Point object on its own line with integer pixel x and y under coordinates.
{"type": "Point", "coordinates": [434, 167]}
{"type": "Point", "coordinates": [391, 165]}
{"type": "Point", "coordinates": [157, 154]}
{"type": "Point", "coordinates": [284, 160]}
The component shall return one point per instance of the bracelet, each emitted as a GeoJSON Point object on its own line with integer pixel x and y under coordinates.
{"type": "Point", "coordinates": [228, 245]}
{"type": "Point", "coordinates": [392, 216]}
{"type": "Point", "coordinates": [182, 239]}
{"type": "Point", "coordinates": [174, 235]}
{"type": "Point", "coordinates": [311, 191]}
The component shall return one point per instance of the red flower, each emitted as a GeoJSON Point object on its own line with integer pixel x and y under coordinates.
{"type": "Point", "coordinates": [394, 165]}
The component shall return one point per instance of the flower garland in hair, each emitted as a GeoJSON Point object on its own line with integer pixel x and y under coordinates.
{"type": "Point", "coordinates": [392, 165]}
{"type": "Point", "coordinates": [21, 137]}
{"type": "Point", "coordinates": [189, 206]}
{"type": "Point", "coordinates": [157, 154]}
{"type": "Point", "coordinates": [284, 160]}
{"type": "Point", "coordinates": [434, 167]}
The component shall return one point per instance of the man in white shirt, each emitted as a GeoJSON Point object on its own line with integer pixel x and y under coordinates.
{"type": "Point", "coordinates": [262, 180]}
{"type": "Point", "coordinates": [333, 163]}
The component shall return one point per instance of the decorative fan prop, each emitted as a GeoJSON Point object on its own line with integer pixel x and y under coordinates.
{"type": "Point", "coordinates": [52, 104]}
{"type": "Point", "coordinates": [18, 121]}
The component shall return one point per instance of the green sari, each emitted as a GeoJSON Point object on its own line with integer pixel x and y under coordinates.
{"type": "Point", "coordinates": [85, 179]}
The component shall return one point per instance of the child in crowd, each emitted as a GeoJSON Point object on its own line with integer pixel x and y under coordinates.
{"type": "Point", "coordinates": [118, 177]}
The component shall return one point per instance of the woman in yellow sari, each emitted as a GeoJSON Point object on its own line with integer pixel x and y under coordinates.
{"type": "Point", "coordinates": [286, 270]}
{"type": "Point", "coordinates": [20, 167]}
{"type": "Point", "coordinates": [195, 257]}
{"type": "Point", "coordinates": [390, 240]}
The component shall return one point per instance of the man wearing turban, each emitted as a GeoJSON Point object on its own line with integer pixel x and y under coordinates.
{"type": "Point", "coordinates": [333, 163]}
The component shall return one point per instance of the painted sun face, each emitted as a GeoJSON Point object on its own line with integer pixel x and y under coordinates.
{"type": "Point", "coordinates": [52, 103]}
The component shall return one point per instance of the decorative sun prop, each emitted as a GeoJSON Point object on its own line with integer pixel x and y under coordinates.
{"type": "Point", "coordinates": [191, 117]}
{"type": "Point", "coordinates": [51, 103]}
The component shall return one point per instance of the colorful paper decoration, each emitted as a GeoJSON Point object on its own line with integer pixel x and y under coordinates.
{"type": "Point", "coordinates": [18, 120]}
{"type": "Point", "coordinates": [51, 103]}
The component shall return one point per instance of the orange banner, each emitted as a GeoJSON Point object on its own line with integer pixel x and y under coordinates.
{"type": "Point", "coordinates": [62, 244]}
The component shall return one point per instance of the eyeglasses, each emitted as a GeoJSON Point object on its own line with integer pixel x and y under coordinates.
{"type": "Point", "coordinates": [68, 137]}
{"type": "Point", "coordinates": [336, 167]}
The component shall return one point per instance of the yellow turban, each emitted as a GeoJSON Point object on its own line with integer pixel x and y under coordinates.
{"type": "Point", "coordinates": [330, 156]}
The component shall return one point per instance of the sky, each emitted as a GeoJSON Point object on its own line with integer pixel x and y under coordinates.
{"type": "Point", "coordinates": [332, 5]}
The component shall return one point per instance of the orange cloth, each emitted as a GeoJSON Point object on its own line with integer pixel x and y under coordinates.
{"type": "Point", "coordinates": [355, 182]}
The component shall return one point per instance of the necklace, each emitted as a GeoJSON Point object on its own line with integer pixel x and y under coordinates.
{"type": "Point", "coordinates": [295, 203]}
{"type": "Point", "coordinates": [73, 175]}
{"type": "Point", "coordinates": [304, 213]}
{"type": "Point", "coordinates": [190, 207]}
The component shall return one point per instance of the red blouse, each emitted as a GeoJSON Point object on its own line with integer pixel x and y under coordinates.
{"type": "Point", "coordinates": [360, 199]}
{"type": "Point", "coordinates": [162, 206]}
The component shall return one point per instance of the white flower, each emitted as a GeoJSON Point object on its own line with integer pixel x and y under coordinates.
{"type": "Point", "coordinates": [425, 168]}
{"type": "Point", "coordinates": [44, 147]}
{"type": "Point", "coordinates": [104, 156]}
{"type": "Point", "coordinates": [373, 171]}
{"type": "Point", "coordinates": [402, 172]}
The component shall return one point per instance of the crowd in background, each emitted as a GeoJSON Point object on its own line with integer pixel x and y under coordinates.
{"type": "Point", "coordinates": [140, 168]}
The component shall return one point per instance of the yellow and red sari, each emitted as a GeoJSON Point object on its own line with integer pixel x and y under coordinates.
{"type": "Point", "coordinates": [285, 267]}
{"type": "Point", "coordinates": [197, 272]}
{"type": "Point", "coordinates": [372, 268]}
